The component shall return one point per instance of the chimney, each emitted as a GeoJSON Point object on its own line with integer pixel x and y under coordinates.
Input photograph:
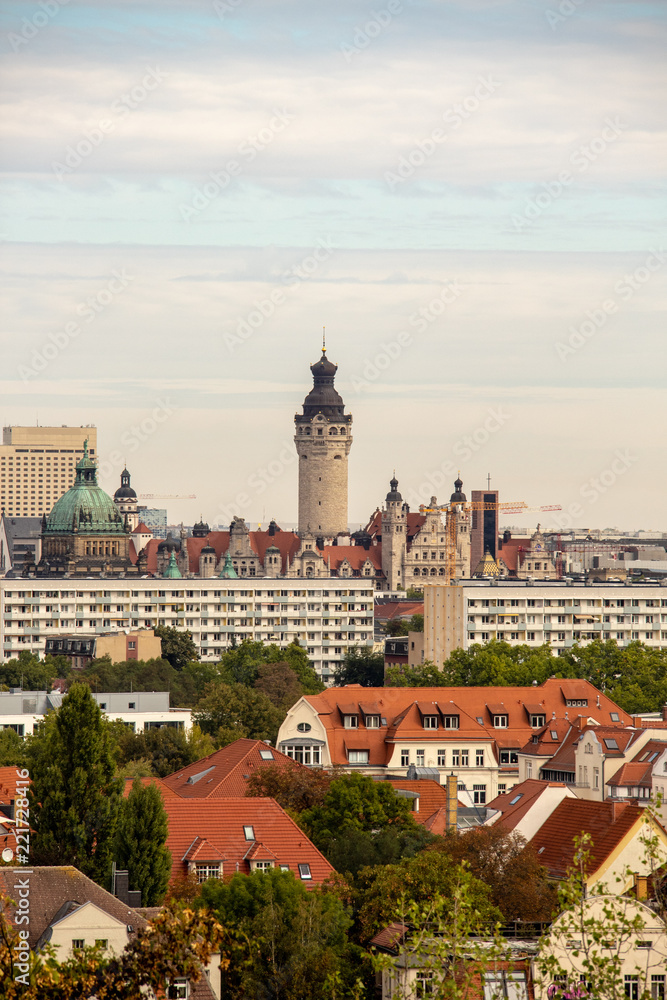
{"type": "Point", "coordinates": [452, 787]}
{"type": "Point", "coordinates": [120, 887]}
{"type": "Point", "coordinates": [664, 713]}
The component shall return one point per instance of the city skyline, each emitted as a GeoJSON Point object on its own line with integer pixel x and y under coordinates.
{"type": "Point", "coordinates": [466, 195]}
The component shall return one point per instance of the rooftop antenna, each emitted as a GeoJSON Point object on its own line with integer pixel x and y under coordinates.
{"type": "Point", "coordinates": [488, 481]}
{"type": "Point", "coordinates": [324, 339]}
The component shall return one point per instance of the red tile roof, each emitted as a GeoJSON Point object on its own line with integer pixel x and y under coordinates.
{"type": "Point", "coordinates": [514, 805]}
{"type": "Point", "coordinates": [287, 542]}
{"type": "Point", "coordinates": [225, 772]}
{"type": "Point", "coordinates": [637, 773]}
{"type": "Point", "coordinates": [220, 823]}
{"type": "Point", "coordinates": [387, 610]}
{"type": "Point", "coordinates": [355, 556]}
{"type": "Point", "coordinates": [141, 529]}
{"type": "Point", "coordinates": [165, 791]}
{"type": "Point", "coordinates": [432, 798]}
{"type": "Point", "coordinates": [606, 822]}
{"type": "Point", "coordinates": [399, 707]}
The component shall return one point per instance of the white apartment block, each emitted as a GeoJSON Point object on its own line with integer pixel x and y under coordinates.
{"type": "Point", "coordinates": [38, 465]}
{"type": "Point", "coordinates": [325, 616]}
{"type": "Point", "coordinates": [22, 710]}
{"type": "Point", "coordinates": [556, 612]}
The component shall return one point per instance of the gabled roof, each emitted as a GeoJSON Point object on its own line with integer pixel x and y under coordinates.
{"type": "Point", "coordinates": [389, 610]}
{"type": "Point", "coordinates": [287, 542]}
{"type": "Point", "coordinates": [54, 888]}
{"type": "Point", "coordinates": [402, 720]}
{"type": "Point", "coordinates": [545, 742]}
{"type": "Point", "coordinates": [220, 823]}
{"type": "Point", "coordinates": [432, 798]}
{"type": "Point", "coordinates": [515, 804]}
{"type": "Point", "coordinates": [141, 529]}
{"type": "Point", "coordinates": [637, 773]}
{"type": "Point", "coordinates": [607, 823]}
{"type": "Point", "coordinates": [158, 782]}
{"type": "Point", "coordinates": [356, 557]}
{"type": "Point", "coordinates": [225, 772]}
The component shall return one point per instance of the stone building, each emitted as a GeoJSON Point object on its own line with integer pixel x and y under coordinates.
{"type": "Point", "coordinates": [85, 534]}
{"type": "Point", "coordinates": [323, 440]}
{"type": "Point", "coordinates": [125, 499]}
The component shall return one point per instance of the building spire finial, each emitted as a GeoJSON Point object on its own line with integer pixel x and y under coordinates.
{"type": "Point", "coordinates": [324, 339]}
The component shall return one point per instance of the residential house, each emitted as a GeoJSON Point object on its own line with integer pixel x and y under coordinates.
{"type": "Point", "coordinates": [618, 830]}
{"type": "Point", "coordinates": [528, 805]}
{"type": "Point", "coordinates": [225, 773]}
{"type": "Point", "coordinates": [477, 733]}
{"type": "Point", "coordinates": [222, 836]}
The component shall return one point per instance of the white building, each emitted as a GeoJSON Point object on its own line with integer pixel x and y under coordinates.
{"type": "Point", "coordinates": [325, 616]}
{"type": "Point", "coordinates": [557, 612]}
{"type": "Point", "coordinates": [139, 710]}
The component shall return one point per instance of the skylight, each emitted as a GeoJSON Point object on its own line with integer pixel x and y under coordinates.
{"type": "Point", "coordinates": [611, 744]}
{"type": "Point", "coordinates": [615, 717]}
{"type": "Point", "coordinates": [516, 798]}
{"type": "Point", "coordinates": [554, 734]}
{"type": "Point", "coordinates": [304, 871]}
{"type": "Point", "coordinates": [266, 755]}
{"type": "Point", "coordinates": [249, 832]}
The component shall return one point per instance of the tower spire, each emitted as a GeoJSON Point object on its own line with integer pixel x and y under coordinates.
{"type": "Point", "coordinates": [324, 340]}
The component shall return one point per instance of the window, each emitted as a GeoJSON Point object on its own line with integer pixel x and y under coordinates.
{"type": "Point", "coordinates": [421, 758]}
{"type": "Point", "coordinates": [430, 722]}
{"type": "Point", "coordinates": [442, 758]}
{"type": "Point", "coordinates": [372, 721]}
{"type": "Point", "coordinates": [179, 989]}
{"type": "Point", "coordinates": [479, 794]}
{"type": "Point", "coordinates": [424, 984]}
{"type": "Point", "coordinates": [405, 758]}
{"type": "Point", "coordinates": [450, 721]}
{"type": "Point", "coordinates": [304, 872]}
{"type": "Point", "coordinates": [357, 756]}
{"type": "Point", "coordinates": [615, 717]}
{"type": "Point", "coordinates": [536, 721]}
{"type": "Point", "coordinates": [267, 754]}
{"type": "Point", "coordinates": [209, 869]}
{"type": "Point", "coordinates": [78, 944]}
{"type": "Point", "coordinates": [511, 985]}
{"type": "Point", "coordinates": [102, 943]}
{"type": "Point", "coordinates": [464, 758]}
{"type": "Point", "coordinates": [456, 758]}
{"type": "Point", "coordinates": [249, 832]}
{"type": "Point", "coordinates": [302, 754]}
{"type": "Point", "coordinates": [263, 866]}
{"type": "Point", "coordinates": [304, 727]}
{"type": "Point", "coordinates": [500, 722]}
{"type": "Point", "coordinates": [479, 758]}
{"type": "Point", "coordinates": [632, 987]}
{"type": "Point", "coordinates": [611, 744]}
{"type": "Point", "coordinates": [351, 721]}
{"type": "Point", "coordinates": [657, 987]}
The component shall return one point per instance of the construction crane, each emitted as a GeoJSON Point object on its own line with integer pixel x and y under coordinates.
{"type": "Point", "coordinates": [454, 506]}
{"type": "Point", "coordinates": [167, 496]}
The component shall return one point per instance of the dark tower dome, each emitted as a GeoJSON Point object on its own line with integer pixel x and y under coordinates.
{"type": "Point", "coordinates": [207, 550]}
{"type": "Point", "coordinates": [362, 538]}
{"type": "Point", "coordinates": [125, 491]}
{"type": "Point", "coordinates": [458, 496]}
{"type": "Point", "coordinates": [393, 495]}
{"type": "Point", "coordinates": [323, 397]}
{"type": "Point", "coordinates": [169, 544]}
{"type": "Point", "coordinates": [201, 529]}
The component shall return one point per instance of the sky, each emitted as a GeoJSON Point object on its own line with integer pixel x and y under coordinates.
{"type": "Point", "coordinates": [469, 196]}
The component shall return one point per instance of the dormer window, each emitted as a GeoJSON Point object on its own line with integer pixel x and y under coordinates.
{"type": "Point", "coordinates": [430, 722]}
{"type": "Point", "coordinates": [500, 722]}
{"type": "Point", "coordinates": [207, 870]}
{"type": "Point", "coordinates": [537, 720]}
{"type": "Point", "coordinates": [372, 721]}
{"type": "Point", "coordinates": [449, 722]}
{"type": "Point", "coordinates": [351, 721]}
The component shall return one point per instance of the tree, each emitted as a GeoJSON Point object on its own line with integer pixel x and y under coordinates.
{"type": "Point", "coordinates": [140, 842]}
{"type": "Point", "coordinates": [74, 796]}
{"type": "Point", "coordinates": [163, 750]}
{"type": "Point", "coordinates": [355, 802]}
{"type": "Point", "coordinates": [360, 665]}
{"type": "Point", "coordinates": [177, 646]}
{"type": "Point", "coordinates": [351, 850]}
{"type": "Point", "coordinates": [279, 683]}
{"type": "Point", "coordinates": [241, 664]}
{"type": "Point", "coordinates": [601, 926]}
{"type": "Point", "coordinates": [293, 788]}
{"type": "Point", "coordinates": [231, 711]}
{"type": "Point", "coordinates": [422, 675]}
{"type": "Point", "coordinates": [176, 944]}
{"type": "Point", "coordinates": [380, 893]}
{"type": "Point", "coordinates": [508, 866]}
{"type": "Point", "coordinates": [31, 673]}
{"type": "Point", "coordinates": [12, 749]}
{"type": "Point", "coordinates": [447, 940]}
{"type": "Point", "coordinates": [285, 941]}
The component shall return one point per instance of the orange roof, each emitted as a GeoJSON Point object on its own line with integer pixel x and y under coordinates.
{"type": "Point", "coordinates": [432, 798]}
{"type": "Point", "coordinates": [222, 825]}
{"type": "Point", "coordinates": [165, 791]}
{"type": "Point", "coordinates": [225, 772]}
{"type": "Point", "coordinates": [607, 823]}
{"type": "Point", "coordinates": [546, 741]}
{"type": "Point", "coordinates": [356, 557]}
{"type": "Point", "coordinates": [638, 772]}
{"type": "Point", "coordinates": [8, 778]}
{"type": "Point", "coordinates": [564, 758]}
{"type": "Point", "coordinates": [400, 718]}
{"type": "Point", "coordinates": [287, 542]}
{"type": "Point", "coordinates": [141, 529]}
{"type": "Point", "coordinates": [386, 610]}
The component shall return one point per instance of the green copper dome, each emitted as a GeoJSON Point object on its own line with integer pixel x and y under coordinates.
{"type": "Point", "coordinates": [85, 508]}
{"type": "Point", "coordinates": [172, 571]}
{"type": "Point", "coordinates": [228, 572]}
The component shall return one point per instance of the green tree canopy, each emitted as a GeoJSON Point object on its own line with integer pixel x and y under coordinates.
{"type": "Point", "coordinates": [288, 942]}
{"type": "Point", "coordinates": [31, 673]}
{"type": "Point", "coordinates": [164, 750]}
{"type": "Point", "coordinates": [241, 664]}
{"type": "Point", "coordinates": [12, 749]}
{"type": "Point", "coordinates": [355, 802]}
{"type": "Point", "coordinates": [140, 842]}
{"type": "Point", "coordinates": [231, 711]}
{"type": "Point", "coordinates": [177, 646]}
{"type": "Point", "coordinates": [293, 788]}
{"type": "Point", "coordinates": [279, 683]}
{"type": "Point", "coordinates": [75, 796]}
{"type": "Point", "coordinates": [360, 665]}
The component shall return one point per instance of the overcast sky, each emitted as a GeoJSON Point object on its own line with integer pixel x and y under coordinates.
{"type": "Point", "coordinates": [470, 196]}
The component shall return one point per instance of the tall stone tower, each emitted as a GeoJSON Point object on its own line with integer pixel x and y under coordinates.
{"type": "Point", "coordinates": [323, 442]}
{"type": "Point", "coordinates": [394, 537]}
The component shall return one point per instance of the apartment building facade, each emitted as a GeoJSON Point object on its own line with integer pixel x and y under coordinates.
{"type": "Point", "coordinates": [38, 465]}
{"type": "Point", "coordinates": [556, 612]}
{"type": "Point", "coordinates": [325, 616]}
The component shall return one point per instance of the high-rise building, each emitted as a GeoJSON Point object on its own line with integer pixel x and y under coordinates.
{"type": "Point", "coordinates": [38, 466]}
{"type": "Point", "coordinates": [323, 442]}
{"type": "Point", "coordinates": [484, 529]}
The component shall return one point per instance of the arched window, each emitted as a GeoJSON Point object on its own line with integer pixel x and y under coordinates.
{"type": "Point", "coordinates": [415, 572]}
{"type": "Point", "coordinates": [333, 432]}
{"type": "Point", "coordinates": [434, 572]}
{"type": "Point", "coordinates": [342, 431]}
{"type": "Point", "coordinates": [338, 457]}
